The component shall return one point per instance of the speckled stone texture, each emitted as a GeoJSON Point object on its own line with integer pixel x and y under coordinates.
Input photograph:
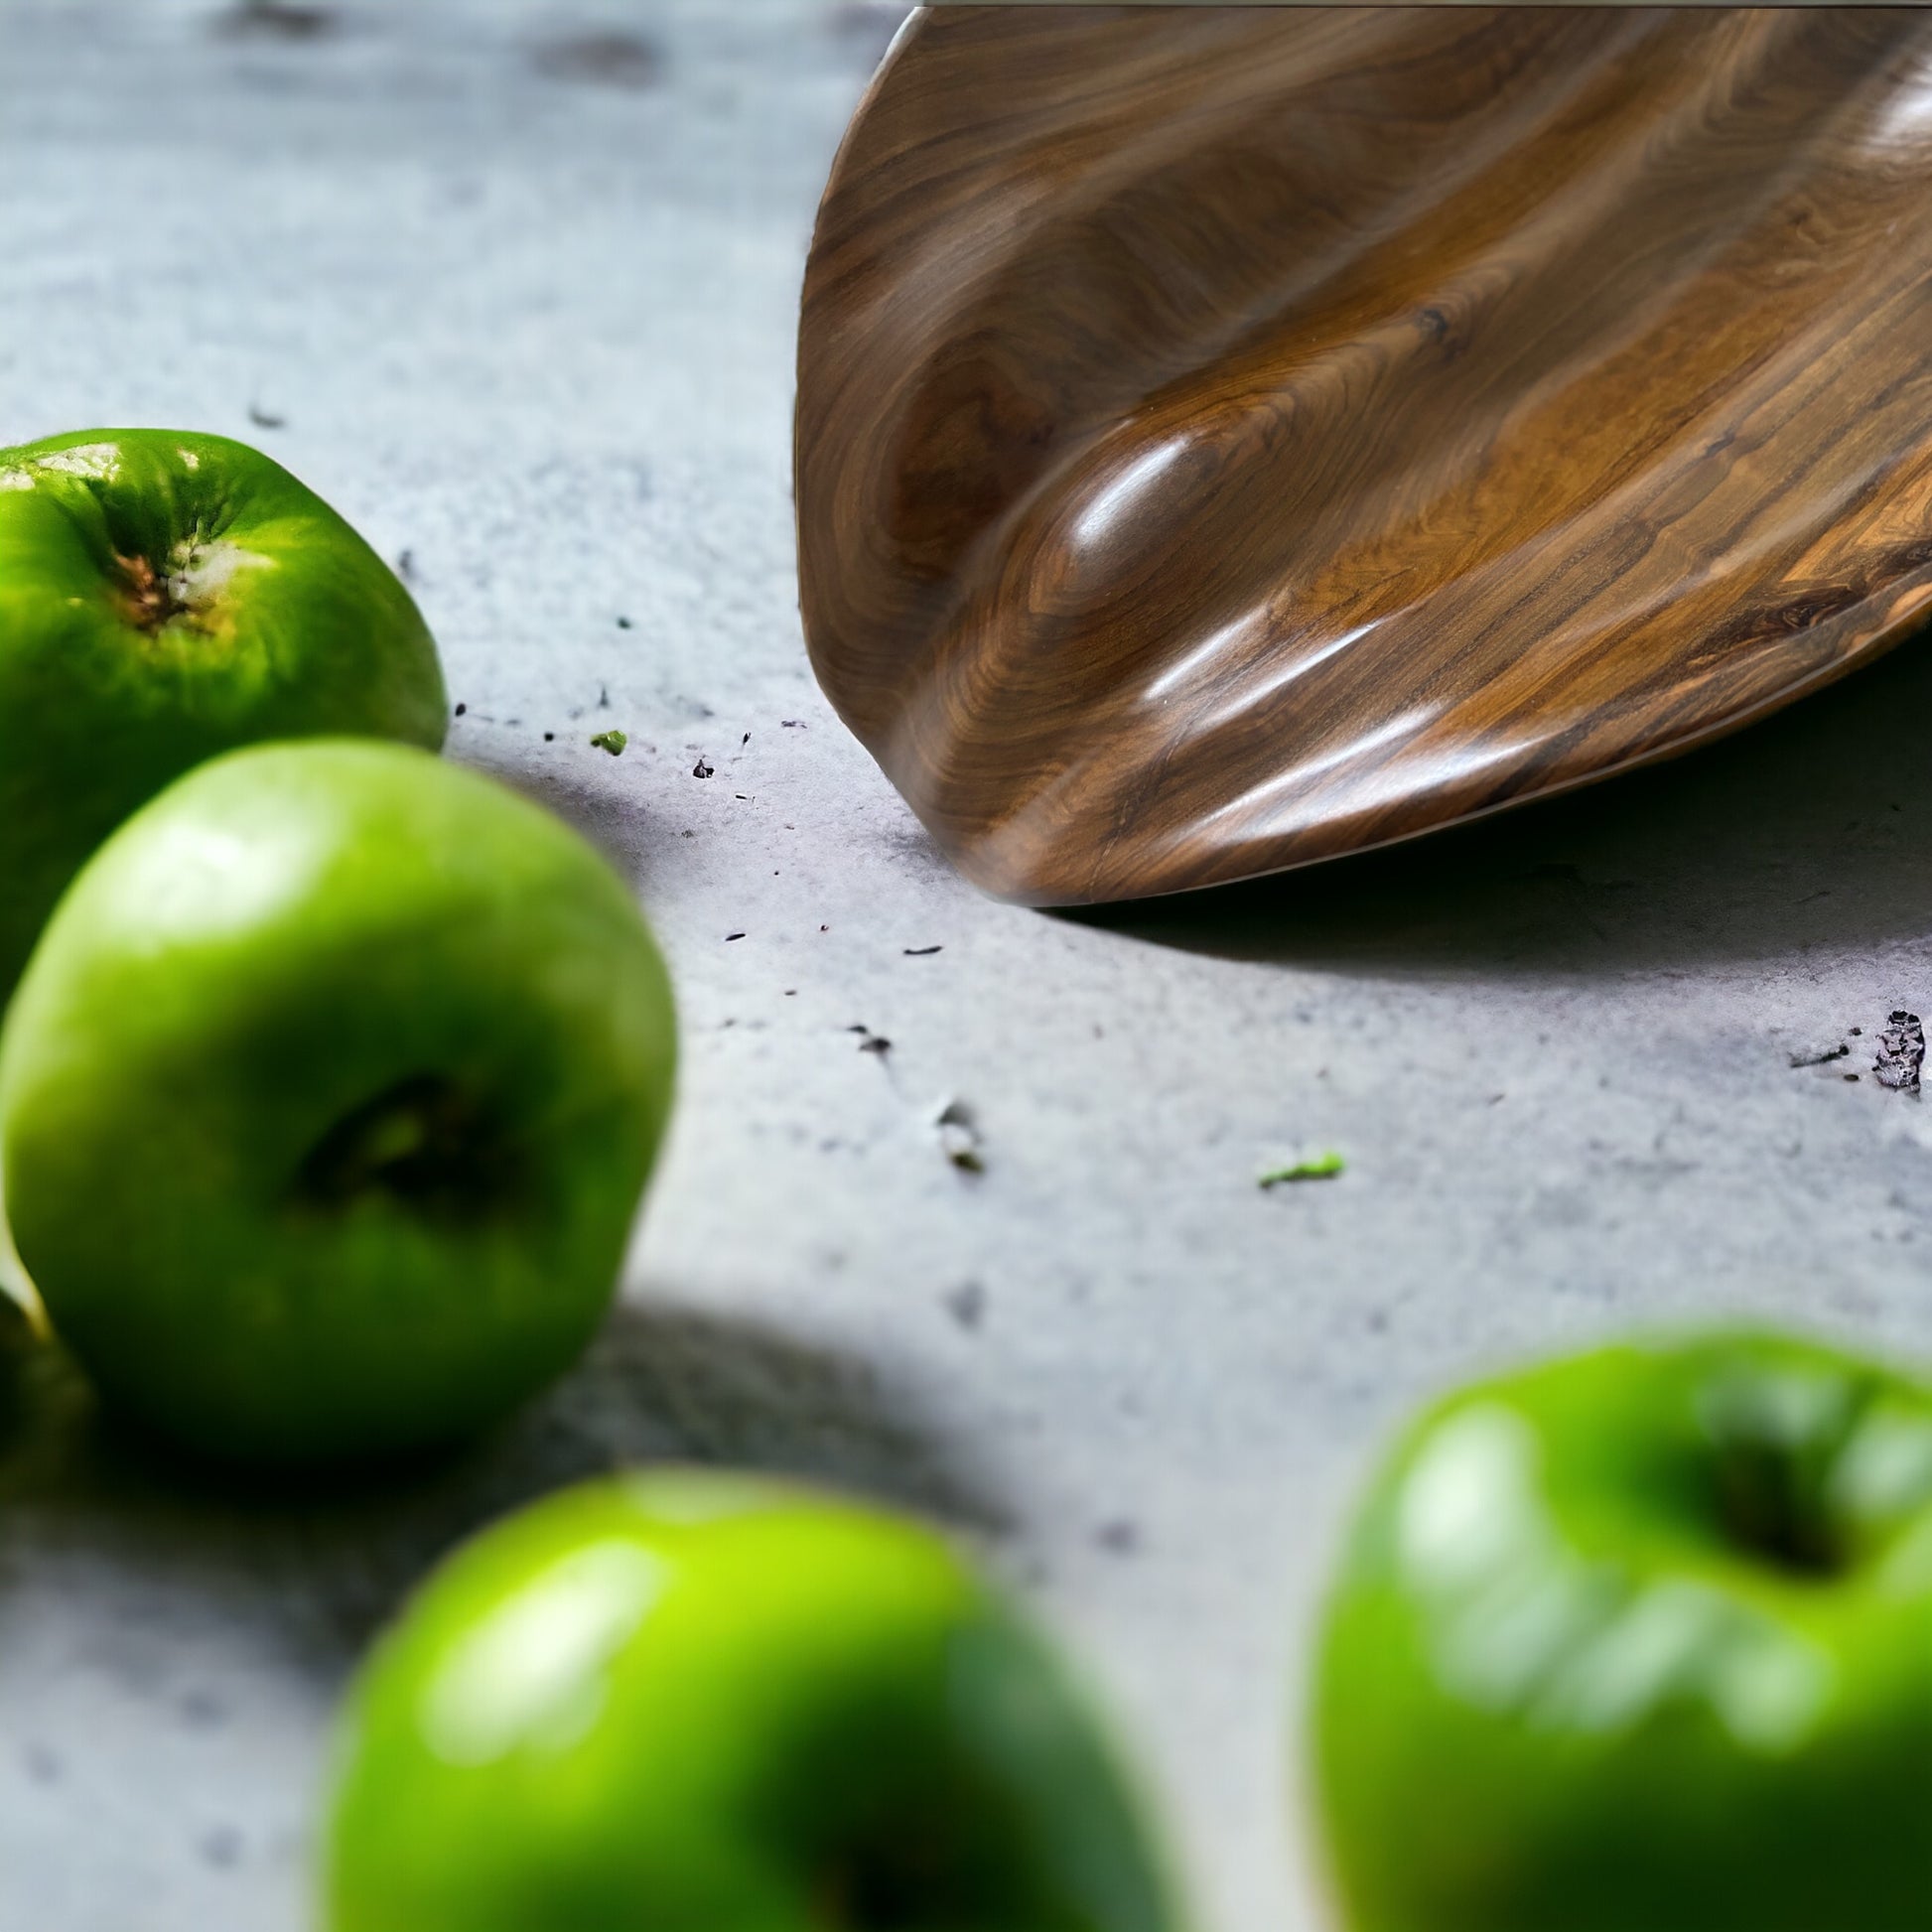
{"type": "Point", "coordinates": [514, 285]}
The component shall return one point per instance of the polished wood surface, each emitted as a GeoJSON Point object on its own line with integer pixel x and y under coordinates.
{"type": "Point", "coordinates": [1232, 437]}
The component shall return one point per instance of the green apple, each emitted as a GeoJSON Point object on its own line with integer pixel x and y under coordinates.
{"type": "Point", "coordinates": [327, 1101]}
{"type": "Point", "coordinates": [1640, 1641]}
{"type": "Point", "coordinates": [685, 1702]}
{"type": "Point", "coordinates": [165, 597]}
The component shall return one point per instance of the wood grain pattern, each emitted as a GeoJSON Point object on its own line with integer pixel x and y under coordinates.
{"type": "Point", "coordinates": [1232, 437]}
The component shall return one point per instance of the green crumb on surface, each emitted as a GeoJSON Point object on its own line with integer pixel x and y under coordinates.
{"type": "Point", "coordinates": [1323, 1168]}
{"type": "Point", "coordinates": [612, 742]}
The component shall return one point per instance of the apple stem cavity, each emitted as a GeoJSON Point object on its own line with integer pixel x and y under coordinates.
{"type": "Point", "coordinates": [1770, 1503]}
{"type": "Point", "coordinates": [186, 592]}
{"type": "Point", "coordinates": [422, 1142]}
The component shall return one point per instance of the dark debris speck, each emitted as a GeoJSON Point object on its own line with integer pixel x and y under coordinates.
{"type": "Point", "coordinates": [1838, 1052]}
{"type": "Point", "coordinates": [607, 58]}
{"type": "Point", "coordinates": [701, 769]}
{"type": "Point", "coordinates": [221, 1846]}
{"type": "Point", "coordinates": [203, 1711]}
{"type": "Point", "coordinates": [966, 1304]}
{"type": "Point", "coordinates": [281, 20]}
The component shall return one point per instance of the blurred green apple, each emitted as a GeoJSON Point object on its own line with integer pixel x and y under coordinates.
{"type": "Point", "coordinates": [327, 1101]}
{"type": "Point", "coordinates": [686, 1702]}
{"type": "Point", "coordinates": [1640, 1641]}
{"type": "Point", "coordinates": [165, 597]}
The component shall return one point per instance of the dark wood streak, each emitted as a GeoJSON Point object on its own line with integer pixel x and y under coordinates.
{"type": "Point", "coordinates": [1232, 437]}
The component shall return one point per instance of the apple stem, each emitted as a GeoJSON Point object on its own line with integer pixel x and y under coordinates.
{"type": "Point", "coordinates": [150, 603]}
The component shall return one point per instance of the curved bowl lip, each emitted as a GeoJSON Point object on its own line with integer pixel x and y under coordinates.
{"type": "Point", "coordinates": [1014, 886]}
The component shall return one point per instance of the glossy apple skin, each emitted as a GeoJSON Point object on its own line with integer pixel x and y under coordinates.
{"type": "Point", "coordinates": [676, 1701]}
{"type": "Point", "coordinates": [328, 1099]}
{"type": "Point", "coordinates": [1640, 1641]}
{"type": "Point", "coordinates": [283, 624]}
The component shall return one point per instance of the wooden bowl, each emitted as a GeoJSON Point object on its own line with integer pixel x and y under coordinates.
{"type": "Point", "coordinates": [1232, 437]}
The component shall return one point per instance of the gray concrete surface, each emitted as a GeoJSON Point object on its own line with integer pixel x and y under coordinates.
{"type": "Point", "coordinates": [535, 330]}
